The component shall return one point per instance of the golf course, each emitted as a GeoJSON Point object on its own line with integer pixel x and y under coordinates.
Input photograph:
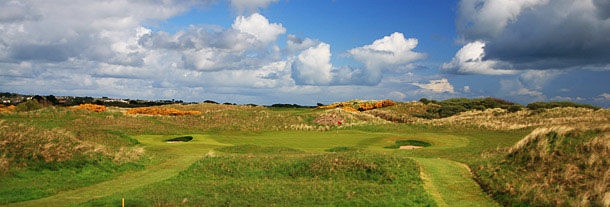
{"type": "Point", "coordinates": [232, 155]}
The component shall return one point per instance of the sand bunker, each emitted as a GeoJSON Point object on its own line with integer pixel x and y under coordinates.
{"type": "Point", "coordinates": [408, 147]}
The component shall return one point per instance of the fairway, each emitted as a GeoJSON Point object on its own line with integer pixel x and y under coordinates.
{"type": "Point", "coordinates": [449, 183]}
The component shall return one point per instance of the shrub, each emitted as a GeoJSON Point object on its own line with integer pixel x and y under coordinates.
{"type": "Point", "coordinates": [29, 105]}
{"type": "Point", "coordinates": [550, 105]}
{"type": "Point", "coordinates": [450, 110]}
{"type": "Point", "coordinates": [514, 108]}
{"type": "Point", "coordinates": [91, 107]}
{"type": "Point", "coordinates": [424, 100]}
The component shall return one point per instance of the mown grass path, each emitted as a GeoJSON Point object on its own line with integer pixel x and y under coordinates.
{"type": "Point", "coordinates": [450, 183]}
{"type": "Point", "coordinates": [179, 157]}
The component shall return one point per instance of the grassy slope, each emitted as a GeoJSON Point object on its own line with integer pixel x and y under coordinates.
{"type": "Point", "coordinates": [557, 166]}
{"type": "Point", "coordinates": [338, 179]}
{"type": "Point", "coordinates": [179, 157]}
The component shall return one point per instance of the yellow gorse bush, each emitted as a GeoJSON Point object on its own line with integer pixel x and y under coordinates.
{"type": "Point", "coordinates": [90, 107]}
{"type": "Point", "coordinates": [379, 104]}
{"type": "Point", "coordinates": [159, 111]}
{"type": "Point", "coordinates": [350, 109]}
{"type": "Point", "coordinates": [334, 105]}
{"type": "Point", "coordinates": [8, 109]}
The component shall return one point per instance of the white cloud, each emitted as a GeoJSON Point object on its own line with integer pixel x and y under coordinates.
{"type": "Point", "coordinates": [258, 26]}
{"type": "Point", "coordinates": [312, 66]}
{"type": "Point", "coordinates": [470, 60]}
{"type": "Point", "coordinates": [438, 86]}
{"type": "Point", "coordinates": [525, 91]}
{"type": "Point", "coordinates": [466, 89]}
{"type": "Point", "coordinates": [396, 95]}
{"type": "Point", "coordinates": [603, 96]}
{"type": "Point", "coordinates": [385, 53]}
{"type": "Point", "coordinates": [250, 5]}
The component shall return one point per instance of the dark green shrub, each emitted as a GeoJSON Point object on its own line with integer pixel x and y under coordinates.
{"type": "Point", "coordinates": [514, 108]}
{"type": "Point", "coordinates": [424, 100]}
{"type": "Point", "coordinates": [29, 105]}
{"type": "Point", "coordinates": [550, 105]}
{"type": "Point", "coordinates": [450, 110]}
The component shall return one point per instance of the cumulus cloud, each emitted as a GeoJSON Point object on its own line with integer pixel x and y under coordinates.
{"type": "Point", "coordinates": [250, 5]}
{"type": "Point", "coordinates": [437, 86]}
{"type": "Point", "coordinates": [312, 66]}
{"type": "Point", "coordinates": [539, 34]}
{"type": "Point", "coordinates": [470, 60]}
{"type": "Point", "coordinates": [258, 26]}
{"type": "Point", "coordinates": [389, 54]}
{"type": "Point", "coordinates": [384, 53]}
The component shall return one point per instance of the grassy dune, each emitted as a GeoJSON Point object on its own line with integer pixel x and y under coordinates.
{"type": "Point", "coordinates": [261, 156]}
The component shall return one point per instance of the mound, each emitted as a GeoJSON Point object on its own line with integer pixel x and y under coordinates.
{"type": "Point", "coordinates": [556, 166]}
{"type": "Point", "coordinates": [408, 144]}
{"type": "Point", "coordinates": [337, 179]}
{"type": "Point", "coordinates": [255, 149]}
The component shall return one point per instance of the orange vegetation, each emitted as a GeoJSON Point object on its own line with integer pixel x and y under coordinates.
{"type": "Point", "coordinates": [350, 109]}
{"type": "Point", "coordinates": [159, 111]}
{"type": "Point", "coordinates": [379, 104]}
{"type": "Point", "coordinates": [90, 107]}
{"type": "Point", "coordinates": [334, 105]}
{"type": "Point", "coordinates": [6, 109]}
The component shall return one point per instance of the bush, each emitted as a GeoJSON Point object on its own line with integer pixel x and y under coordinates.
{"type": "Point", "coordinates": [514, 108]}
{"type": "Point", "coordinates": [562, 104]}
{"type": "Point", "coordinates": [450, 110]}
{"type": "Point", "coordinates": [424, 100]}
{"type": "Point", "coordinates": [29, 105]}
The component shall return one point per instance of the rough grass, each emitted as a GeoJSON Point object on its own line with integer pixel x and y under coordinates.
{"type": "Point", "coordinates": [255, 149]}
{"type": "Point", "coordinates": [343, 149]}
{"type": "Point", "coordinates": [557, 166]}
{"type": "Point", "coordinates": [338, 179]}
{"type": "Point", "coordinates": [501, 119]}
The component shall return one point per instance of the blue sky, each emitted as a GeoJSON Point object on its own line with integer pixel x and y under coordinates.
{"type": "Point", "coordinates": [276, 51]}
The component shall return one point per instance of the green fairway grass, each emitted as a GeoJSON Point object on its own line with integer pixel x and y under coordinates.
{"type": "Point", "coordinates": [254, 161]}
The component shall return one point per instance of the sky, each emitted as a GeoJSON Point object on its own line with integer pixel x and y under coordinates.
{"type": "Point", "coordinates": [308, 52]}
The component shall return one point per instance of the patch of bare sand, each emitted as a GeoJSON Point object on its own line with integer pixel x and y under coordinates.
{"type": "Point", "coordinates": [408, 147]}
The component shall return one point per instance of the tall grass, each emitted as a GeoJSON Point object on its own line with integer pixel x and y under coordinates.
{"type": "Point", "coordinates": [555, 166]}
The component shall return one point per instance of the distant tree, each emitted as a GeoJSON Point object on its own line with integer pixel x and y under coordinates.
{"type": "Point", "coordinates": [28, 105]}
{"type": "Point", "coordinates": [38, 98]}
{"type": "Point", "coordinates": [320, 104]}
{"type": "Point", "coordinates": [424, 100]}
{"type": "Point", "coordinates": [51, 99]}
{"type": "Point", "coordinates": [210, 101]}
